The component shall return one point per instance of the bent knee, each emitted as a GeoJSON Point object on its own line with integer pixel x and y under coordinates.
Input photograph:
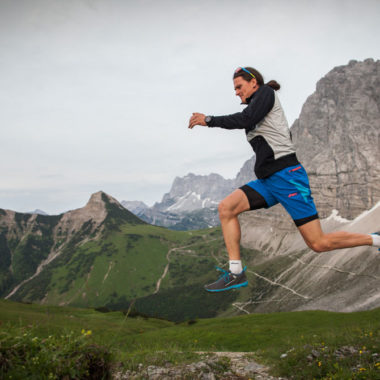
{"type": "Point", "coordinates": [225, 210]}
{"type": "Point", "coordinates": [320, 246]}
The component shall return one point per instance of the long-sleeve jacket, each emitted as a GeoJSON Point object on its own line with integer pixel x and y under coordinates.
{"type": "Point", "coordinates": [267, 131]}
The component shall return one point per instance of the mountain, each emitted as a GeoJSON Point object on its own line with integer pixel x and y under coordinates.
{"type": "Point", "coordinates": [136, 207]}
{"type": "Point", "coordinates": [102, 255]}
{"type": "Point", "coordinates": [194, 192]}
{"type": "Point", "coordinates": [192, 200]}
{"type": "Point", "coordinates": [338, 139]}
{"type": "Point", "coordinates": [38, 211]}
{"type": "Point", "coordinates": [31, 242]}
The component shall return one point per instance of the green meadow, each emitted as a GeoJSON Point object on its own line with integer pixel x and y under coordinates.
{"type": "Point", "coordinates": [299, 345]}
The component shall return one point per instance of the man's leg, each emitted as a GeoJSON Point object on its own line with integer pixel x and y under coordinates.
{"type": "Point", "coordinates": [318, 241]}
{"type": "Point", "coordinates": [229, 209]}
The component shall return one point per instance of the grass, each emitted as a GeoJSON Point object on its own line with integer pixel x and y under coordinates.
{"type": "Point", "coordinates": [300, 345]}
{"type": "Point", "coordinates": [24, 355]}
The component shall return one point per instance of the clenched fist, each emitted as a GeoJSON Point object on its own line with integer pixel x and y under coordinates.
{"type": "Point", "coordinates": [197, 119]}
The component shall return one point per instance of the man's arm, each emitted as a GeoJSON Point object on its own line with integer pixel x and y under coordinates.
{"type": "Point", "coordinates": [257, 109]}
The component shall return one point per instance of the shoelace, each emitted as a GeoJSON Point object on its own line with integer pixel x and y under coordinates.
{"type": "Point", "coordinates": [225, 275]}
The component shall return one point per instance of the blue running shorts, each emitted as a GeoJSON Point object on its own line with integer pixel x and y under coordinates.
{"type": "Point", "coordinates": [290, 187]}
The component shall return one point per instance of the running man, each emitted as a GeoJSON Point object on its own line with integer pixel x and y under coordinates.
{"type": "Point", "coordinates": [281, 178]}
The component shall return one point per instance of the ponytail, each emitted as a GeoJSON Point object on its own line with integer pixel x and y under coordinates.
{"type": "Point", "coordinates": [272, 83]}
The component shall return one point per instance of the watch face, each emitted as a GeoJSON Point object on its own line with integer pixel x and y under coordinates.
{"type": "Point", "coordinates": [207, 119]}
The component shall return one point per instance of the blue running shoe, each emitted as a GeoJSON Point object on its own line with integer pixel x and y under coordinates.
{"type": "Point", "coordinates": [228, 281]}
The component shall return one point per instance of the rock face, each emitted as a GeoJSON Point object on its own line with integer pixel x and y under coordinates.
{"type": "Point", "coordinates": [137, 207]}
{"type": "Point", "coordinates": [285, 275]}
{"type": "Point", "coordinates": [338, 139]}
{"type": "Point", "coordinates": [194, 192]}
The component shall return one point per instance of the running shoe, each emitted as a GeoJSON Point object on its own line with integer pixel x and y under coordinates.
{"type": "Point", "coordinates": [228, 281]}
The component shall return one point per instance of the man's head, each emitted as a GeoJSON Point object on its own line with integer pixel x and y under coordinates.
{"type": "Point", "coordinates": [247, 80]}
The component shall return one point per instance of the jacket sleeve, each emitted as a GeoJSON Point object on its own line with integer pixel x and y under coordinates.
{"type": "Point", "coordinates": [260, 105]}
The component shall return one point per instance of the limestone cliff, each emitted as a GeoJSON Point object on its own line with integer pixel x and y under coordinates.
{"type": "Point", "coordinates": [338, 139]}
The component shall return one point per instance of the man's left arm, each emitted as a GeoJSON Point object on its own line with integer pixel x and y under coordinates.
{"type": "Point", "coordinates": [256, 110]}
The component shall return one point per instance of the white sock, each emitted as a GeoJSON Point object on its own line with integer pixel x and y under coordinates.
{"type": "Point", "coordinates": [235, 266]}
{"type": "Point", "coordinates": [375, 240]}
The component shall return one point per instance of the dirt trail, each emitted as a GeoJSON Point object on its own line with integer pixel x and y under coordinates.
{"type": "Point", "coordinates": [165, 270]}
{"type": "Point", "coordinates": [158, 284]}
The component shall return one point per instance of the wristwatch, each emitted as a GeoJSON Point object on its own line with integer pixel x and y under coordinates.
{"type": "Point", "coordinates": [208, 119]}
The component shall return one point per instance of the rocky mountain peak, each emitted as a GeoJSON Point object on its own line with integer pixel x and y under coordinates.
{"type": "Point", "coordinates": [338, 139]}
{"type": "Point", "coordinates": [137, 207]}
{"type": "Point", "coordinates": [195, 192]}
{"type": "Point", "coordinates": [192, 200]}
{"type": "Point", "coordinates": [97, 201]}
{"type": "Point", "coordinates": [94, 211]}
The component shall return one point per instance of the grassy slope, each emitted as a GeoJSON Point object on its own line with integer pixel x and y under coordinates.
{"type": "Point", "coordinates": [182, 295]}
{"type": "Point", "coordinates": [268, 335]}
{"type": "Point", "coordinates": [126, 263]}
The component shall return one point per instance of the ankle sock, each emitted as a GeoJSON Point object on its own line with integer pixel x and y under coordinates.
{"type": "Point", "coordinates": [235, 266]}
{"type": "Point", "coordinates": [375, 240]}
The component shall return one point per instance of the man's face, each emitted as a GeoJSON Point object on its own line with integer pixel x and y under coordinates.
{"type": "Point", "coordinates": [244, 89]}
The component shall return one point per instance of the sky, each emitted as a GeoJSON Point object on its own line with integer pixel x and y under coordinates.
{"type": "Point", "coordinates": [97, 94]}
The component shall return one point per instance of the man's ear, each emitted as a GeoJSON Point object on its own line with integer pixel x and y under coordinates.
{"type": "Point", "coordinates": [254, 83]}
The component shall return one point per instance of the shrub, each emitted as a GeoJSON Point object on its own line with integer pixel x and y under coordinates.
{"type": "Point", "coordinates": [72, 356]}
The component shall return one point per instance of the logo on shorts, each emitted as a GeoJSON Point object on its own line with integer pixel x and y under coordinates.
{"type": "Point", "coordinates": [305, 192]}
{"type": "Point", "coordinates": [292, 195]}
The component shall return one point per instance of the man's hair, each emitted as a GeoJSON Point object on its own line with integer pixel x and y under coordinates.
{"type": "Point", "coordinates": [259, 78]}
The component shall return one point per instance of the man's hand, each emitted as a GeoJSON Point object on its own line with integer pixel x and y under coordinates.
{"type": "Point", "coordinates": [197, 119]}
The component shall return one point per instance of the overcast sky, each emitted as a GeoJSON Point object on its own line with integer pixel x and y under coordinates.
{"type": "Point", "coordinates": [96, 94]}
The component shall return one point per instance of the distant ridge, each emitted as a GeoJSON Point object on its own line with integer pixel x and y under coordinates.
{"type": "Point", "coordinates": [37, 211]}
{"type": "Point", "coordinates": [192, 200]}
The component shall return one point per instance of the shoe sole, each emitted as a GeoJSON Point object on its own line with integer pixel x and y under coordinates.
{"type": "Point", "coordinates": [229, 288]}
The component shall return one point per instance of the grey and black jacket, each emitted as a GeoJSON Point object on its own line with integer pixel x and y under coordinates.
{"type": "Point", "coordinates": [267, 131]}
